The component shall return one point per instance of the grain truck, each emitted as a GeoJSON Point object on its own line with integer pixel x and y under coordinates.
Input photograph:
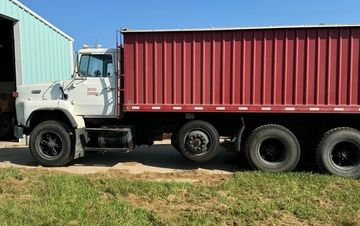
{"type": "Point", "coordinates": [278, 93]}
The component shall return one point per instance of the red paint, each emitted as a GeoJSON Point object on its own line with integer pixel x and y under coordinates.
{"type": "Point", "coordinates": [276, 68]}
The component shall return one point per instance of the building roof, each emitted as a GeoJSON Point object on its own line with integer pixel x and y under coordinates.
{"type": "Point", "coordinates": [47, 23]}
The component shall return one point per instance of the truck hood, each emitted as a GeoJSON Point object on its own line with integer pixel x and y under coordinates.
{"type": "Point", "coordinates": [41, 91]}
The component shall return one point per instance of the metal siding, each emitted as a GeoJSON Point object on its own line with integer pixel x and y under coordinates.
{"type": "Point", "coordinates": [294, 69]}
{"type": "Point", "coordinates": [46, 53]}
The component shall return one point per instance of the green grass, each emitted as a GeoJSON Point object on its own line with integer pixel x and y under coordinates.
{"type": "Point", "coordinates": [250, 198]}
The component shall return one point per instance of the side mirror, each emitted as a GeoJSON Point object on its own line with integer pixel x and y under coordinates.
{"type": "Point", "coordinates": [75, 72]}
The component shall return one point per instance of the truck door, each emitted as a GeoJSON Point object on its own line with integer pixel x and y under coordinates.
{"type": "Point", "coordinates": [95, 95]}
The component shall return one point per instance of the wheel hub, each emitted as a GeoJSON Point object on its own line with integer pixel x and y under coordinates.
{"type": "Point", "coordinates": [197, 142]}
{"type": "Point", "coordinates": [50, 145]}
{"type": "Point", "coordinates": [345, 154]}
{"type": "Point", "coordinates": [272, 150]}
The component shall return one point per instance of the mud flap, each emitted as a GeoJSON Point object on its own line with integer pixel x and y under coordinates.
{"type": "Point", "coordinates": [239, 137]}
{"type": "Point", "coordinates": [80, 141]}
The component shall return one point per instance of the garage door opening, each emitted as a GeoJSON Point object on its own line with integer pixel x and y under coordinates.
{"type": "Point", "coordinates": [7, 78]}
{"type": "Point", "coordinates": [7, 70]}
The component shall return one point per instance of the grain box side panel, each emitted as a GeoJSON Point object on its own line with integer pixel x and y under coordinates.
{"type": "Point", "coordinates": [259, 70]}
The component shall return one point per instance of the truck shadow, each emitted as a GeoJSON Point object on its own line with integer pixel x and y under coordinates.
{"type": "Point", "coordinates": [16, 156]}
{"type": "Point", "coordinates": [158, 158]}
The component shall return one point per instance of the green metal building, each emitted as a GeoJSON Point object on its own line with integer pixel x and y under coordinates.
{"type": "Point", "coordinates": [32, 50]}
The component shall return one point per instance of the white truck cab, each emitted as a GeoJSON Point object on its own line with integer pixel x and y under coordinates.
{"type": "Point", "coordinates": [91, 93]}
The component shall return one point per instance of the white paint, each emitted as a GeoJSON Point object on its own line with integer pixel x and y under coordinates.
{"type": "Point", "coordinates": [243, 108]}
{"type": "Point", "coordinates": [177, 108]}
{"type": "Point", "coordinates": [198, 108]}
{"type": "Point", "coordinates": [135, 107]}
{"type": "Point", "coordinates": [220, 108]}
{"type": "Point", "coordinates": [156, 108]}
{"type": "Point", "coordinates": [339, 109]}
{"type": "Point", "coordinates": [94, 96]}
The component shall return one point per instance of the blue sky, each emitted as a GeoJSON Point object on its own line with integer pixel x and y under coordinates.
{"type": "Point", "coordinates": [94, 21]}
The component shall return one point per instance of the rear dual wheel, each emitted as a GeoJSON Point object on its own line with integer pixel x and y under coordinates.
{"type": "Point", "coordinates": [338, 152]}
{"type": "Point", "coordinates": [272, 148]}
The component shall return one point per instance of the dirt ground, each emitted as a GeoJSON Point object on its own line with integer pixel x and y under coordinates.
{"type": "Point", "coordinates": [158, 161]}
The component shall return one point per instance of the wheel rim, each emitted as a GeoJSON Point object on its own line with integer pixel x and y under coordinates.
{"type": "Point", "coordinates": [345, 155]}
{"type": "Point", "coordinates": [50, 145]}
{"type": "Point", "coordinates": [272, 151]}
{"type": "Point", "coordinates": [197, 142]}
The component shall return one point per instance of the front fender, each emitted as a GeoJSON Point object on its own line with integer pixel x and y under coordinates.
{"type": "Point", "coordinates": [29, 108]}
{"type": "Point", "coordinates": [67, 106]}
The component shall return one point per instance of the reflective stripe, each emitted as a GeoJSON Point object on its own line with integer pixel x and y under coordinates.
{"type": "Point", "coordinates": [314, 109]}
{"type": "Point", "coordinates": [266, 108]}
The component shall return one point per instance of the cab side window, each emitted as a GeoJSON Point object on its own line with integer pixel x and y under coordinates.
{"type": "Point", "coordinates": [110, 69]}
{"type": "Point", "coordinates": [84, 63]}
{"type": "Point", "coordinates": [96, 66]}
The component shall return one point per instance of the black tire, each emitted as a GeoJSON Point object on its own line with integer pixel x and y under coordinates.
{"type": "Point", "coordinates": [198, 141]}
{"type": "Point", "coordinates": [338, 152]}
{"type": "Point", "coordinates": [51, 144]}
{"type": "Point", "coordinates": [272, 148]}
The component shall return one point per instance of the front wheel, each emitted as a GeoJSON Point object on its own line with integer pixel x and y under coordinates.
{"type": "Point", "coordinates": [198, 141]}
{"type": "Point", "coordinates": [50, 144]}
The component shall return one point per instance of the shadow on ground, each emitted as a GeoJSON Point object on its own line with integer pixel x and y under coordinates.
{"type": "Point", "coordinates": [157, 156]}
